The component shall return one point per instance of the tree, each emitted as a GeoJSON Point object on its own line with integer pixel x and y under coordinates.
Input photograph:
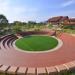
{"type": "Point", "coordinates": [16, 28]}
{"type": "Point", "coordinates": [17, 23]}
{"type": "Point", "coordinates": [31, 24]}
{"type": "Point", "coordinates": [3, 21]}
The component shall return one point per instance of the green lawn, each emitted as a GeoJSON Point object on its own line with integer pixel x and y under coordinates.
{"type": "Point", "coordinates": [36, 43]}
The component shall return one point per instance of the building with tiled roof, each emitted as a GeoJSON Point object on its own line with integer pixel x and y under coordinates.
{"type": "Point", "coordinates": [58, 20]}
{"type": "Point", "coordinates": [65, 20]}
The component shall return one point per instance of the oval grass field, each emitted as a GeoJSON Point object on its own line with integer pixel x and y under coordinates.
{"type": "Point", "coordinates": [36, 43]}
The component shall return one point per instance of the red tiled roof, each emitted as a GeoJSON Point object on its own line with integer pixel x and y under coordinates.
{"type": "Point", "coordinates": [55, 18]}
{"type": "Point", "coordinates": [58, 18]}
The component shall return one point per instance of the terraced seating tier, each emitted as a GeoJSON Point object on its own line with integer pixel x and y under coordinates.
{"type": "Point", "coordinates": [5, 40]}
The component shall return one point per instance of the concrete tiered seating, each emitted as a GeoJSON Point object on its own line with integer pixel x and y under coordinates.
{"type": "Point", "coordinates": [8, 43]}
{"type": "Point", "coordinates": [5, 40]}
{"type": "Point", "coordinates": [36, 32]}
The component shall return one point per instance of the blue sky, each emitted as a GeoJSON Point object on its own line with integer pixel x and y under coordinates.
{"type": "Point", "coordinates": [36, 10]}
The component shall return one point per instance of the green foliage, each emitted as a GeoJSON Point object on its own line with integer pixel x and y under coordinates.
{"type": "Point", "coordinates": [17, 26]}
{"type": "Point", "coordinates": [16, 29]}
{"type": "Point", "coordinates": [3, 19]}
{"type": "Point", "coordinates": [36, 29]}
{"type": "Point", "coordinates": [69, 31]}
{"type": "Point", "coordinates": [50, 26]}
{"type": "Point", "coordinates": [69, 27]}
{"type": "Point", "coordinates": [3, 22]}
{"type": "Point", "coordinates": [31, 24]}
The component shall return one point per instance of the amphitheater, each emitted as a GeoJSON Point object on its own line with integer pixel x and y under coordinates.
{"type": "Point", "coordinates": [58, 62]}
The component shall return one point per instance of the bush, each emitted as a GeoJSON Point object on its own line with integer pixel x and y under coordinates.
{"type": "Point", "coordinates": [37, 29]}
{"type": "Point", "coordinates": [69, 27]}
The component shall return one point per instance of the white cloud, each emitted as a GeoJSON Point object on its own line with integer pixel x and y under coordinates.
{"type": "Point", "coordinates": [68, 3]}
{"type": "Point", "coordinates": [3, 6]}
{"type": "Point", "coordinates": [17, 12]}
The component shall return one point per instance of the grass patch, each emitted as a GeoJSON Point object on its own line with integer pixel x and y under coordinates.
{"type": "Point", "coordinates": [36, 43]}
{"type": "Point", "coordinates": [69, 31]}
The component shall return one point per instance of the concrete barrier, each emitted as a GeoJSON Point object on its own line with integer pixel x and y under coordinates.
{"type": "Point", "coordinates": [51, 71]}
{"type": "Point", "coordinates": [31, 71]}
{"type": "Point", "coordinates": [21, 71]}
{"type": "Point", "coordinates": [12, 71]}
{"type": "Point", "coordinates": [41, 71]}
{"type": "Point", "coordinates": [3, 69]}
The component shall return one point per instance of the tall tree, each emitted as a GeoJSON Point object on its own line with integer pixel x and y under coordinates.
{"type": "Point", "coordinates": [3, 21]}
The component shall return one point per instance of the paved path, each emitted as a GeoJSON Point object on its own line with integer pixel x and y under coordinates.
{"type": "Point", "coordinates": [12, 57]}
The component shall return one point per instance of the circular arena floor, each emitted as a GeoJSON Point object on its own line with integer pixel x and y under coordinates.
{"type": "Point", "coordinates": [10, 56]}
{"type": "Point", "coordinates": [37, 43]}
